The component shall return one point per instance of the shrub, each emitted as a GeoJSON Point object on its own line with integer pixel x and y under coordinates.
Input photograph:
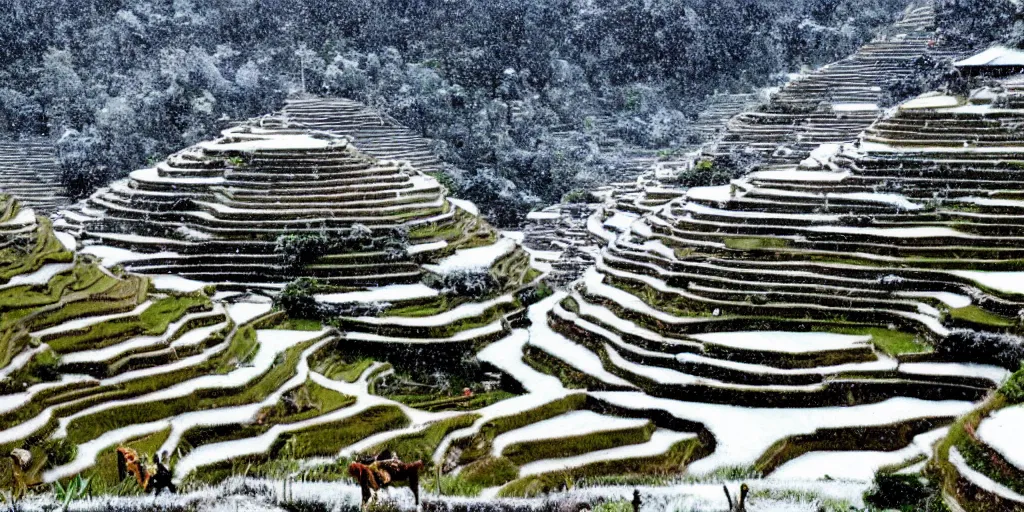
{"type": "Point", "coordinates": [580, 197]}
{"type": "Point", "coordinates": [1013, 389]}
{"type": "Point", "coordinates": [297, 299]}
{"type": "Point", "coordinates": [469, 283]}
{"type": "Point", "coordinates": [1006, 350]}
{"type": "Point", "coordinates": [298, 250]}
{"type": "Point", "coordinates": [903, 492]}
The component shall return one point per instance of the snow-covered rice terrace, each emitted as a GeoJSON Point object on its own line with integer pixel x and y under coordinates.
{"type": "Point", "coordinates": [802, 329]}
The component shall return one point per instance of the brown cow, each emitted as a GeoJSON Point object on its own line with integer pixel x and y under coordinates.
{"type": "Point", "coordinates": [383, 472]}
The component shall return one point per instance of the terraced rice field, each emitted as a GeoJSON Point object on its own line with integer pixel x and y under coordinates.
{"type": "Point", "coordinates": [802, 329]}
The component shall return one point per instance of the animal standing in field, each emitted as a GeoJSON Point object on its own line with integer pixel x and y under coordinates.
{"type": "Point", "coordinates": [740, 505]}
{"type": "Point", "coordinates": [128, 462]}
{"type": "Point", "coordinates": [385, 471]}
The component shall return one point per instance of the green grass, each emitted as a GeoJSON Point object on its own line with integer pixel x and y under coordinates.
{"type": "Point", "coordinates": [479, 445]}
{"type": "Point", "coordinates": [338, 367]}
{"type": "Point", "coordinates": [435, 403]}
{"type": "Point", "coordinates": [46, 248]}
{"type": "Point", "coordinates": [305, 402]}
{"type": "Point", "coordinates": [890, 341]}
{"type": "Point", "coordinates": [421, 445]}
{"type": "Point", "coordinates": [490, 471]}
{"type": "Point", "coordinates": [241, 350]}
{"type": "Point", "coordinates": [975, 315]}
{"type": "Point", "coordinates": [153, 321]}
{"type": "Point", "coordinates": [300, 324]}
{"type": "Point", "coordinates": [328, 439]}
{"type": "Point", "coordinates": [89, 427]}
{"type": "Point", "coordinates": [568, 446]}
{"type": "Point", "coordinates": [668, 465]}
{"type": "Point", "coordinates": [755, 243]}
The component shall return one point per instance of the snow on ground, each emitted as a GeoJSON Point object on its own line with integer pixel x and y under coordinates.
{"type": "Point", "coordinates": [621, 220]}
{"type": "Point", "coordinates": [892, 199]}
{"type": "Point", "coordinates": [571, 353]}
{"type": "Point", "coordinates": [39, 277]}
{"type": "Point", "coordinates": [67, 240]}
{"type": "Point", "coordinates": [138, 342]}
{"type": "Point", "coordinates": [953, 300]}
{"type": "Point", "coordinates": [475, 258]}
{"type": "Point", "coordinates": [919, 232]}
{"type": "Point", "coordinates": [993, 373]}
{"type": "Point", "coordinates": [660, 442]}
{"type": "Point", "coordinates": [744, 433]}
{"type": "Point", "coordinates": [175, 283]}
{"type": "Point", "coordinates": [429, 246]}
{"type": "Point", "coordinates": [854, 107]}
{"type": "Point", "coordinates": [783, 341]}
{"type": "Point", "coordinates": [468, 206]}
{"type": "Point", "coordinates": [543, 215]}
{"type": "Point", "coordinates": [573, 423]}
{"type": "Point", "coordinates": [980, 479]}
{"type": "Point", "coordinates": [854, 465]}
{"type": "Point", "coordinates": [447, 317]}
{"type": "Point", "coordinates": [798, 175]}
{"type": "Point", "coordinates": [251, 495]}
{"type": "Point", "coordinates": [110, 256]}
{"type": "Point", "coordinates": [931, 101]}
{"type": "Point", "coordinates": [82, 323]}
{"type": "Point", "coordinates": [720, 194]}
{"type": "Point", "coordinates": [389, 293]}
{"type": "Point", "coordinates": [1006, 282]}
{"type": "Point", "coordinates": [1001, 431]}
{"type": "Point", "coordinates": [507, 354]}
{"type": "Point", "coordinates": [243, 312]}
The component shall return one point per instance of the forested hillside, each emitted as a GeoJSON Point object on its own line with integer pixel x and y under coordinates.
{"type": "Point", "coordinates": [120, 84]}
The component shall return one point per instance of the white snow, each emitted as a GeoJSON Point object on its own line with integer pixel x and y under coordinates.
{"type": "Point", "coordinates": [572, 354]}
{"type": "Point", "coordinates": [573, 423]}
{"type": "Point", "coordinates": [67, 240]}
{"type": "Point", "coordinates": [265, 142]}
{"type": "Point", "coordinates": [425, 247]}
{"type": "Point", "coordinates": [389, 293]}
{"type": "Point", "coordinates": [994, 56]}
{"type": "Point", "coordinates": [953, 300]}
{"type": "Point", "coordinates": [175, 283]}
{"type": "Point", "coordinates": [475, 258]}
{"type": "Point", "coordinates": [542, 215]}
{"type": "Point", "coordinates": [720, 194]}
{"type": "Point", "coordinates": [1006, 282]}
{"type": "Point", "coordinates": [798, 175]}
{"type": "Point", "coordinates": [110, 256]}
{"type": "Point", "coordinates": [917, 232]}
{"type": "Point", "coordinates": [892, 199]}
{"type": "Point", "coordinates": [787, 342]}
{"type": "Point", "coordinates": [153, 175]}
{"type": "Point", "coordinates": [1001, 431]}
{"type": "Point", "coordinates": [39, 277]}
{"type": "Point", "coordinates": [468, 206]}
{"type": "Point", "coordinates": [744, 433]}
{"type": "Point", "coordinates": [660, 442]}
{"type": "Point", "coordinates": [447, 317]}
{"type": "Point", "coordinates": [993, 373]}
{"type": "Point", "coordinates": [980, 479]}
{"type": "Point", "coordinates": [854, 465]}
{"type": "Point", "coordinates": [933, 101]}
{"type": "Point", "coordinates": [854, 107]}
{"type": "Point", "coordinates": [243, 312]}
{"type": "Point", "coordinates": [81, 323]}
{"type": "Point", "coordinates": [621, 220]}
